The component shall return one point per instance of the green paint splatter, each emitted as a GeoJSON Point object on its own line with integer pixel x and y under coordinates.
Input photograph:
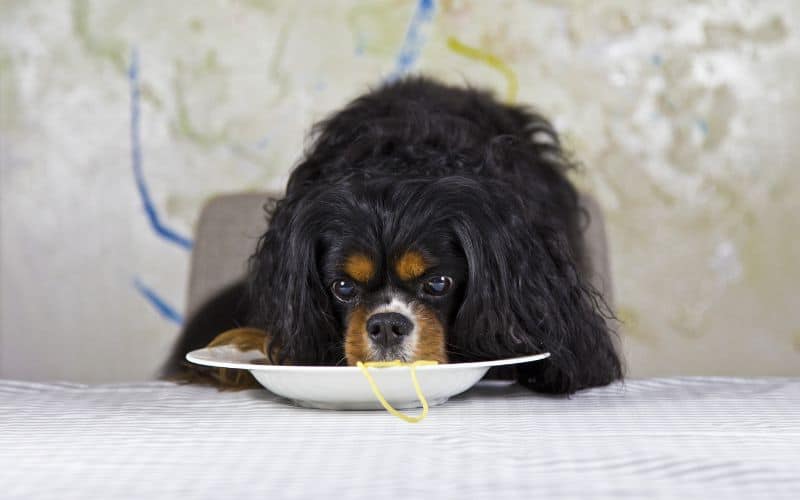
{"type": "Point", "coordinates": [689, 321]}
{"type": "Point", "coordinates": [149, 94]}
{"type": "Point", "coordinates": [627, 316]}
{"type": "Point", "coordinates": [377, 28]}
{"type": "Point", "coordinates": [253, 156]}
{"type": "Point", "coordinates": [5, 63]}
{"type": "Point", "coordinates": [210, 64]}
{"type": "Point", "coordinates": [267, 6]}
{"type": "Point", "coordinates": [631, 325]}
{"type": "Point", "coordinates": [196, 25]}
{"type": "Point", "coordinates": [108, 49]}
{"type": "Point", "coordinates": [183, 124]}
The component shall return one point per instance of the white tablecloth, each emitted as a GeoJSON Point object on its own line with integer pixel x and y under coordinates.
{"type": "Point", "coordinates": [666, 438]}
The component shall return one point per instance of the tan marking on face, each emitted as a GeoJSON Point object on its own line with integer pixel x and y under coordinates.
{"type": "Point", "coordinates": [359, 267]}
{"type": "Point", "coordinates": [430, 338]}
{"type": "Point", "coordinates": [410, 265]}
{"type": "Point", "coordinates": [355, 339]}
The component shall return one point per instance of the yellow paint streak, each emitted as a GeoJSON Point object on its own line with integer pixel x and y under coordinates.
{"type": "Point", "coordinates": [359, 267]}
{"type": "Point", "coordinates": [410, 265]}
{"type": "Point", "coordinates": [491, 60]}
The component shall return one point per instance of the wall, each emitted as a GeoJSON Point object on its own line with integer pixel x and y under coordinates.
{"type": "Point", "coordinates": [119, 119]}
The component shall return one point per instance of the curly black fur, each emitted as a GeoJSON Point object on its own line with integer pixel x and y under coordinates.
{"type": "Point", "coordinates": [416, 160]}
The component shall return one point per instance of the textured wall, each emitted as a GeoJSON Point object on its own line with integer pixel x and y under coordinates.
{"type": "Point", "coordinates": [118, 119]}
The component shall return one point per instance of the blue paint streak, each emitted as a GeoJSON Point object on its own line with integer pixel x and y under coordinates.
{"type": "Point", "coordinates": [413, 42]}
{"type": "Point", "coordinates": [136, 157]}
{"type": "Point", "coordinates": [360, 44]}
{"type": "Point", "coordinates": [166, 311]}
{"type": "Point", "coordinates": [656, 59]}
{"type": "Point", "coordinates": [703, 125]}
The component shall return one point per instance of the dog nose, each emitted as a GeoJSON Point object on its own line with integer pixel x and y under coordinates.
{"type": "Point", "coordinates": [387, 328]}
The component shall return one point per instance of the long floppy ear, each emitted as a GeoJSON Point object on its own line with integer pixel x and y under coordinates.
{"type": "Point", "coordinates": [286, 294]}
{"type": "Point", "coordinates": [525, 293]}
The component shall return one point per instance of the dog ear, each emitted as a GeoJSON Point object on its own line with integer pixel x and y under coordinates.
{"type": "Point", "coordinates": [286, 294]}
{"type": "Point", "coordinates": [525, 293]}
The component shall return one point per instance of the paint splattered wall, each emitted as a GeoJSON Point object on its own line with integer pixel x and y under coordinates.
{"type": "Point", "coordinates": [119, 119]}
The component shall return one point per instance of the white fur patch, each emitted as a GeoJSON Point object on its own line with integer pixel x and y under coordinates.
{"type": "Point", "coordinates": [397, 305]}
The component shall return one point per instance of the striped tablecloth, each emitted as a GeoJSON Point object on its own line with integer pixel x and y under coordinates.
{"type": "Point", "coordinates": [663, 438]}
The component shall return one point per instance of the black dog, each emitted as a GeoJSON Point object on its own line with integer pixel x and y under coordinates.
{"type": "Point", "coordinates": [426, 222]}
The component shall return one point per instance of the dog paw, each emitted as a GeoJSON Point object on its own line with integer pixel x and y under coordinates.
{"type": "Point", "coordinates": [244, 339]}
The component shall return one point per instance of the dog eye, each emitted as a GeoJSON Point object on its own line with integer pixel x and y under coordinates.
{"type": "Point", "coordinates": [438, 285]}
{"type": "Point", "coordinates": [344, 290]}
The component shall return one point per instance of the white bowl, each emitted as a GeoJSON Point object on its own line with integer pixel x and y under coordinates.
{"type": "Point", "coordinates": [346, 388]}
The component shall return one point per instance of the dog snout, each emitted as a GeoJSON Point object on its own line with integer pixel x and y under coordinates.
{"type": "Point", "coordinates": [388, 328]}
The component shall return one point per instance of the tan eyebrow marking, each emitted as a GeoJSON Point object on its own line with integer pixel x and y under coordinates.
{"type": "Point", "coordinates": [359, 267]}
{"type": "Point", "coordinates": [410, 265]}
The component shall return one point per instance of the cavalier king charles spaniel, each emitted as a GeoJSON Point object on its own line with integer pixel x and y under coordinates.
{"type": "Point", "coordinates": [429, 222]}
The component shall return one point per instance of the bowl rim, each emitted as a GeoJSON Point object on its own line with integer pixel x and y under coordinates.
{"type": "Point", "coordinates": [197, 357]}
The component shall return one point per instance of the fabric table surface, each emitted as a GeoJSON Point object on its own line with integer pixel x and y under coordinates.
{"type": "Point", "coordinates": [656, 438]}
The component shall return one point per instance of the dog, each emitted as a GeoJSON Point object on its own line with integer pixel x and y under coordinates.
{"type": "Point", "coordinates": [426, 221]}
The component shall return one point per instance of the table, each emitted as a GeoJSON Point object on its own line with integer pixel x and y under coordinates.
{"type": "Point", "coordinates": [657, 438]}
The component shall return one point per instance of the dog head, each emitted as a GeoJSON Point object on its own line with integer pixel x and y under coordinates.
{"type": "Point", "coordinates": [420, 234]}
